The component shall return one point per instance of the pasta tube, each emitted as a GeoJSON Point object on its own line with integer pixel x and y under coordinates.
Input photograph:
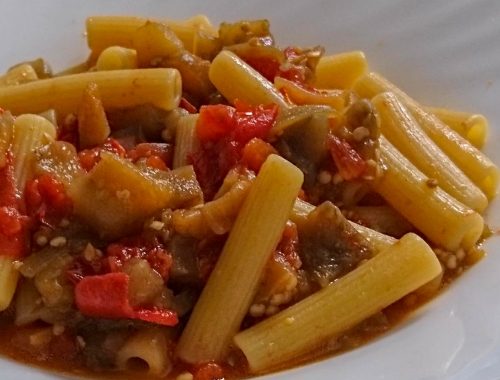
{"type": "Point", "coordinates": [149, 346]}
{"type": "Point", "coordinates": [118, 88]}
{"type": "Point", "coordinates": [19, 74]}
{"type": "Point", "coordinates": [116, 58]}
{"type": "Point", "coordinates": [9, 276]}
{"type": "Point", "coordinates": [479, 168]}
{"type": "Point", "coordinates": [382, 280]}
{"type": "Point", "coordinates": [471, 126]}
{"type": "Point", "coordinates": [440, 217]}
{"type": "Point", "coordinates": [401, 129]}
{"type": "Point", "coordinates": [106, 31]}
{"type": "Point", "coordinates": [185, 140]}
{"type": "Point", "coordinates": [235, 278]}
{"type": "Point", "coordinates": [30, 133]}
{"type": "Point", "coordinates": [235, 79]}
{"type": "Point", "coordinates": [340, 70]}
{"type": "Point", "coordinates": [6, 134]}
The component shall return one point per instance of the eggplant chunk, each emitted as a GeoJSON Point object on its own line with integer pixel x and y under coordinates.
{"type": "Point", "coordinates": [116, 196]}
{"type": "Point", "coordinates": [329, 245]}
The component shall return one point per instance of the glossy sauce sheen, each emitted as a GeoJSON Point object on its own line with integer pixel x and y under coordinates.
{"type": "Point", "coordinates": [59, 358]}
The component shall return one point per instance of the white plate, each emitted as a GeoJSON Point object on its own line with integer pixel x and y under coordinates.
{"type": "Point", "coordinates": [442, 53]}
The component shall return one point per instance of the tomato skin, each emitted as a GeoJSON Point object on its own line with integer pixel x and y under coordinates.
{"type": "Point", "coordinates": [186, 104]}
{"type": "Point", "coordinates": [348, 162]}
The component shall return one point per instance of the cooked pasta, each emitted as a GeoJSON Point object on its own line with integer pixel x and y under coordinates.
{"type": "Point", "coordinates": [195, 202]}
{"type": "Point", "coordinates": [120, 88]}
{"type": "Point", "coordinates": [149, 346]}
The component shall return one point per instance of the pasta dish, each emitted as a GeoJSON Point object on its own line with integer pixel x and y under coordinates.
{"type": "Point", "coordinates": [195, 202]}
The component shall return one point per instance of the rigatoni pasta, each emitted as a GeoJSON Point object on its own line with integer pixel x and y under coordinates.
{"type": "Point", "coordinates": [394, 272]}
{"type": "Point", "coordinates": [399, 127]}
{"type": "Point", "coordinates": [196, 202]}
{"type": "Point", "coordinates": [120, 88]}
{"type": "Point", "coordinates": [233, 284]}
{"type": "Point", "coordinates": [471, 161]}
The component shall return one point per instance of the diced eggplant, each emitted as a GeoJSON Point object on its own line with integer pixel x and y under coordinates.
{"type": "Point", "coordinates": [329, 246]}
{"type": "Point", "coordinates": [116, 196]}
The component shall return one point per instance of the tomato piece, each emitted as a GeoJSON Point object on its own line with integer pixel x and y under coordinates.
{"type": "Point", "coordinates": [268, 67]}
{"type": "Point", "coordinates": [89, 157]}
{"type": "Point", "coordinates": [10, 221]}
{"type": "Point", "coordinates": [253, 121]}
{"type": "Point", "coordinates": [156, 155]}
{"type": "Point", "coordinates": [214, 122]}
{"type": "Point", "coordinates": [208, 371]}
{"type": "Point", "coordinates": [121, 252]}
{"type": "Point", "coordinates": [288, 247]}
{"type": "Point", "coordinates": [349, 163]}
{"type": "Point", "coordinates": [255, 153]}
{"type": "Point", "coordinates": [13, 225]}
{"type": "Point", "coordinates": [223, 132]}
{"type": "Point", "coordinates": [46, 198]}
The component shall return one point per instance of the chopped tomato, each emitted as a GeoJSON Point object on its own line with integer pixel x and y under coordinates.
{"type": "Point", "coordinates": [89, 157]}
{"type": "Point", "coordinates": [268, 67]}
{"type": "Point", "coordinates": [121, 252]}
{"type": "Point", "coordinates": [223, 132]}
{"type": "Point", "coordinates": [106, 296]}
{"type": "Point", "coordinates": [10, 221]}
{"type": "Point", "coordinates": [156, 155]}
{"type": "Point", "coordinates": [46, 198]}
{"type": "Point", "coordinates": [253, 121]}
{"type": "Point", "coordinates": [13, 225]}
{"type": "Point", "coordinates": [255, 153]}
{"type": "Point", "coordinates": [13, 232]}
{"type": "Point", "coordinates": [349, 163]}
{"type": "Point", "coordinates": [288, 248]}
{"type": "Point", "coordinates": [215, 122]}
{"type": "Point", "coordinates": [208, 371]}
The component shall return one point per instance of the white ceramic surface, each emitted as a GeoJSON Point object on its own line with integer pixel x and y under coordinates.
{"type": "Point", "coordinates": [442, 52]}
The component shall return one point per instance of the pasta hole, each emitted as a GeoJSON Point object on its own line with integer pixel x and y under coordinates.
{"type": "Point", "coordinates": [136, 364]}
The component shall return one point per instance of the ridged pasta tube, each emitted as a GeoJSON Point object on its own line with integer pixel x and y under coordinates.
{"type": "Point", "coordinates": [118, 88]}
{"type": "Point", "coordinates": [234, 281]}
{"type": "Point", "coordinates": [321, 317]}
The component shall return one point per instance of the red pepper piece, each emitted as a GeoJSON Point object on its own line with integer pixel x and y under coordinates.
{"type": "Point", "coordinates": [106, 296]}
